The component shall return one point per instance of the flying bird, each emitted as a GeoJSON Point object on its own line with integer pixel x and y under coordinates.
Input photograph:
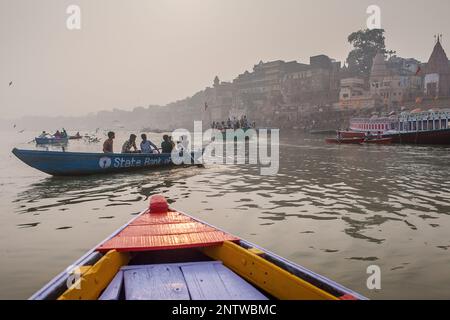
{"type": "Point", "coordinates": [10, 83]}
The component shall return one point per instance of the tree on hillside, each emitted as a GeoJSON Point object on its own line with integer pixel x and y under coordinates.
{"type": "Point", "coordinates": [366, 43]}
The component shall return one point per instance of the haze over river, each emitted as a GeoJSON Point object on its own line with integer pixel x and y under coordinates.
{"type": "Point", "coordinates": [333, 209]}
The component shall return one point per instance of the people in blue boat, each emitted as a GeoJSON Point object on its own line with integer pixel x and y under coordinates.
{"type": "Point", "coordinates": [64, 133]}
{"type": "Point", "coordinates": [147, 146]}
{"type": "Point", "coordinates": [43, 134]}
{"type": "Point", "coordinates": [57, 134]}
{"type": "Point", "coordinates": [108, 144]}
{"type": "Point", "coordinates": [166, 145]}
{"type": "Point", "coordinates": [130, 144]}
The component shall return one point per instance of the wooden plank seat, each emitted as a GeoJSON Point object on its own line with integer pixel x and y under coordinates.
{"type": "Point", "coordinates": [209, 280]}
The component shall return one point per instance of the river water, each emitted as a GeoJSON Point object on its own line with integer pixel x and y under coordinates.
{"type": "Point", "coordinates": [334, 209]}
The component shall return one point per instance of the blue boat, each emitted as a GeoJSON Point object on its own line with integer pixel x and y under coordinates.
{"type": "Point", "coordinates": [58, 163]}
{"type": "Point", "coordinates": [51, 140]}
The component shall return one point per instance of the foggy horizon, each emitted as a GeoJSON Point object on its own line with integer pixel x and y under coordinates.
{"type": "Point", "coordinates": [143, 53]}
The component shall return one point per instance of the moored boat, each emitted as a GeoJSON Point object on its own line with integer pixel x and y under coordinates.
{"type": "Point", "coordinates": [430, 127]}
{"type": "Point", "coordinates": [165, 254]}
{"type": "Point", "coordinates": [344, 140]}
{"type": "Point", "coordinates": [50, 140]}
{"type": "Point", "coordinates": [80, 163]}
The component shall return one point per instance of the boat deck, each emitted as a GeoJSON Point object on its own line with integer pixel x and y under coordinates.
{"type": "Point", "coordinates": [163, 255]}
{"type": "Point", "coordinates": [172, 237]}
{"type": "Point", "coordinates": [207, 280]}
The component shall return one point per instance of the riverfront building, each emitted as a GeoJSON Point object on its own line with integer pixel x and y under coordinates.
{"type": "Point", "coordinates": [393, 86]}
{"type": "Point", "coordinates": [437, 73]}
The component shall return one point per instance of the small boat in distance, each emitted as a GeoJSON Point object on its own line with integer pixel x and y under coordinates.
{"type": "Point", "coordinates": [58, 163]}
{"type": "Point", "coordinates": [76, 137]}
{"type": "Point", "coordinates": [165, 254]}
{"type": "Point", "coordinates": [344, 140]}
{"type": "Point", "coordinates": [51, 140]}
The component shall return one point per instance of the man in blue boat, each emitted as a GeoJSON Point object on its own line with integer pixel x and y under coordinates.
{"type": "Point", "coordinates": [108, 144]}
{"type": "Point", "coordinates": [130, 144]}
{"type": "Point", "coordinates": [147, 146]}
{"type": "Point", "coordinates": [166, 145]}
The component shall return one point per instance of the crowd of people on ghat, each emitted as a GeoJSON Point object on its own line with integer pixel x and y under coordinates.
{"type": "Point", "coordinates": [234, 123]}
{"type": "Point", "coordinates": [146, 146]}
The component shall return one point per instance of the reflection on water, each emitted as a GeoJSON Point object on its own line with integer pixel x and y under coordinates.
{"type": "Point", "coordinates": [333, 209]}
{"type": "Point", "coordinates": [110, 190]}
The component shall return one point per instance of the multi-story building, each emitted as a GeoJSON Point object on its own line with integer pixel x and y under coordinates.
{"type": "Point", "coordinates": [258, 93]}
{"type": "Point", "coordinates": [219, 100]}
{"type": "Point", "coordinates": [254, 88]}
{"type": "Point", "coordinates": [276, 88]}
{"type": "Point", "coordinates": [316, 83]}
{"type": "Point", "coordinates": [353, 95]}
{"type": "Point", "coordinates": [393, 86]}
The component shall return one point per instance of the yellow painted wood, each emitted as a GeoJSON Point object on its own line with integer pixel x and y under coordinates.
{"type": "Point", "coordinates": [256, 251]}
{"type": "Point", "coordinates": [264, 274]}
{"type": "Point", "coordinates": [84, 269]}
{"type": "Point", "coordinates": [96, 279]}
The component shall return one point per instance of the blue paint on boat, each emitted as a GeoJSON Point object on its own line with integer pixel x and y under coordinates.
{"type": "Point", "coordinates": [47, 140]}
{"type": "Point", "coordinates": [58, 163]}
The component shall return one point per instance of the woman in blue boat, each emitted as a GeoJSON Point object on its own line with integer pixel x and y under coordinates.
{"type": "Point", "coordinates": [147, 146]}
{"type": "Point", "coordinates": [130, 144]}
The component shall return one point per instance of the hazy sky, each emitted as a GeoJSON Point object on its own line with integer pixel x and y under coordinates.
{"type": "Point", "coordinates": [141, 52]}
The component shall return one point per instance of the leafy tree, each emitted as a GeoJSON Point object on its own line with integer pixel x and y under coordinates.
{"type": "Point", "coordinates": [366, 43]}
